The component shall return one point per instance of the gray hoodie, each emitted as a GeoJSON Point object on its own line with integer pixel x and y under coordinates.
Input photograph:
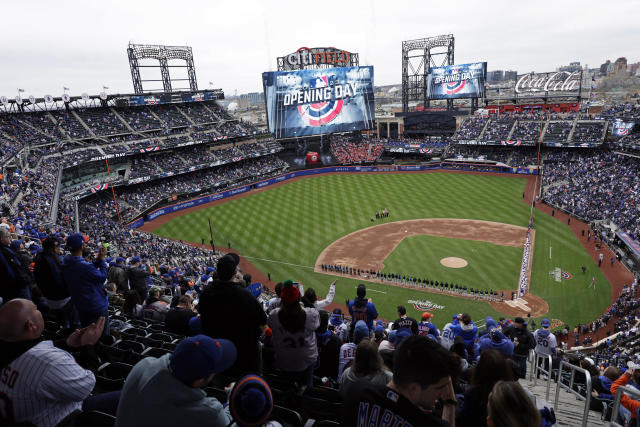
{"type": "Point", "coordinates": [153, 396]}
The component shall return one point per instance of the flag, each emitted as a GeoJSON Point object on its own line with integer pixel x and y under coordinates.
{"type": "Point", "coordinates": [20, 90]}
{"type": "Point", "coordinates": [65, 88]}
{"type": "Point", "coordinates": [105, 87]}
{"type": "Point", "coordinates": [211, 83]}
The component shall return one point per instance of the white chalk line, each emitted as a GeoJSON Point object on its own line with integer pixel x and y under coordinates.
{"type": "Point", "coordinates": [278, 262]}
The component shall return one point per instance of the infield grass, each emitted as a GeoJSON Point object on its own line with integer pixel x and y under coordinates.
{"type": "Point", "coordinates": [283, 230]}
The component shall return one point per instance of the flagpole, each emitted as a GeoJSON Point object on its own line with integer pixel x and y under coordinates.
{"type": "Point", "coordinates": [113, 192]}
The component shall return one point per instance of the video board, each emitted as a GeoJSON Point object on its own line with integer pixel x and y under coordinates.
{"type": "Point", "coordinates": [313, 102]}
{"type": "Point", "coordinates": [457, 81]}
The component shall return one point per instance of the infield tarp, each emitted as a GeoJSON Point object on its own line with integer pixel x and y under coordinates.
{"type": "Point", "coordinates": [313, 102]}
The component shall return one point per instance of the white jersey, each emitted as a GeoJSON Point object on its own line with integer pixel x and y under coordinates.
{"type": "Point", "coordinates": [43, 385]}
{"type": "Point", "coordinates": [320, 304]}
{"type": "Point", "coordinates": [347, 354]}
{"type": "Point", "coordinates": [545, 344]}
{"type": "Point", "coordinates": [447, 336]}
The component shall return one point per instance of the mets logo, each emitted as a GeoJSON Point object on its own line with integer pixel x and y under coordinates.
{"type": "Point", "coordinates": [454, 87]}
{"type": "Point", "coordinates": [426, 150]}
{"type": "Point", "coordinates": [555, 323]}
{"type": "Point", "coordinates": [511, 143]}
{"type": "Point", "coordinates": [236, 159]}
{"type": "Point", "coordinates": [320, 113]}
{"type": "Point", "coordinates": [566, 275]}
{"type": "Point", "coordinates": [622, 132]}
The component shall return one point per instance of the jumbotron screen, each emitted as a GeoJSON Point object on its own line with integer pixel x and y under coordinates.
{"type": "Point", "coordinates": [313, 102]}
{"type": "Point", "coordinates": [457, 81]}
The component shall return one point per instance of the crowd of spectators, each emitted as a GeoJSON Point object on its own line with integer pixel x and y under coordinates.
{"type": "Point", "coordinates": [499, 128]}
{"type": "Point", "coordinates": [621, 111]}
{"type": "Point", "coordinates": [471, 128]}
{"type": "Point", "coordinates": [596, 185]}
{"type": "Point", "coordinates": [346, 150]}
{"type": "Point", "coordinates": [557, 131]}
{"type": "Point", "coordinates": [588, 132]}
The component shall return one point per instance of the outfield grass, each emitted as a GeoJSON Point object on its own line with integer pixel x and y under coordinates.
{"type": "Point", "coordinates": [284, 229]}
{"type": "Point", "coordinates": [491, 267]}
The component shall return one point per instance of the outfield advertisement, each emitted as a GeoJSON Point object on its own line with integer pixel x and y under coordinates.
{"type": "Point", "coordinates": [312, 102]}
{"type": "Point", "coordinates": [457, 81]}
{"type": "Point", "coordinates": [308, 172]}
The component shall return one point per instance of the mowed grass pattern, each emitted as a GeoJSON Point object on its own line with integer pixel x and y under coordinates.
{"type": "Point", "coordinates": [283, 230]}
{"type": "Point", "coordinates": [490, 267]}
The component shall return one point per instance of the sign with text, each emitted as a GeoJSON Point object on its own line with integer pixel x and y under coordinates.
{"type": "Point", "coordinates": [548, 84]}
{"type": "Point", "coordinates": [457, 81]}
{"type": "Point", "coordinates": [313, 102]}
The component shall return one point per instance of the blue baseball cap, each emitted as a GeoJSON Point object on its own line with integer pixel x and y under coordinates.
{"type": "Point", "coordinates": [545, 323]}
{"type": "Point", "coordinates": [15, 245]}
{"type": "Point", "coordinates": [135, 259]}
{"type": "Point", "coordinates": [200, 356]}
{"type": "Point", "coordinates": [74, 241]}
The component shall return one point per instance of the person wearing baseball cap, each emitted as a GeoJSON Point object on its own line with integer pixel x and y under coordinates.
{"type": "Point", "coordinates": [85, 281]}
{"type": "Point", "coordinates": [426, 328]}
{"type": "Point", "coordinates": [523, 342]}
{"type": "Point", "coordinates": [167, 390]}
{"type": "Point", "coordinates": [545, 341]}
{"type": "Point", "coordinates": [138, 275]}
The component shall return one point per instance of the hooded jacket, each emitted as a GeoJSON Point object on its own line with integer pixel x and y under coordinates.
{"type": "Point", "coordinates": [362, 309]}
{"type": "Point", "coordinates": [153, 396]}
{"type": "Point", "coordinates": [497, 341]}
{"type": "Point", "coordinates": [489, 325]}
{"type": "Point", "coordinates": [467, 332]}
{"type": "Point", "coordinates": [138, 277]}
{"type": "Point", "coordinates": [545, 341]}
{"type": "Point", "coordinates": [85, 281]}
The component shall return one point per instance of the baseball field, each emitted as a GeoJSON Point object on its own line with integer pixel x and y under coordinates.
{"type": "Point", "coordinates": [479, 220]}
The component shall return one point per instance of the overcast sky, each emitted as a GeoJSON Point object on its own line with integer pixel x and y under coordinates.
{"type": "Point", "coordinates": [46, 45]}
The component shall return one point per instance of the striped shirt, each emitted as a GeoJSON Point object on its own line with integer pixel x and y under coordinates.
{"type": "Point", "coordinates": [43, 385]}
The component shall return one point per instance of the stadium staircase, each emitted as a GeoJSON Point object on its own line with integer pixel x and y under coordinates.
{"type": "Point", "coordinates": [60, 129]}
{"type": "Point", "coordinates": [555, 184]}
{"type": "Point", "coordinates": [213, 113]}
{"type": "Point", "coordinates": [127, 125]}
{"type": "Point", "coordinates": [484, 128]}
{"type": "Point", "coordinates": [82, 123]}
{"type": "Point", "coordinates": [513, 128]}
{"type": "Point", "coordinates": [179, 157]}
{"type": "Point", "coordinates": [570, 409]}
{"type": "Point", "coordinates": [185, 115]}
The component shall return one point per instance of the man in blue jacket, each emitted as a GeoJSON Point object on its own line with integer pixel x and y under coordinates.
{"type": "Point", "coordinates": [467, 330]}
{"type": "Point", "coordinates": [497, 341]}
{"type": "Point", "coordinates": [86, 282]}
{"type": "Point", "coordinates": [361, 308]}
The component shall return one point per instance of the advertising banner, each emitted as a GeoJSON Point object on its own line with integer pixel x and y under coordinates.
{"type": "Point", "coordinates": [557, 83]}
{"type": "Point", "coordinates": [457, 81]}
{"type": "Point", "coordinates": [621, 128]}
{"type": "Point", "coordinates": [313, 102]}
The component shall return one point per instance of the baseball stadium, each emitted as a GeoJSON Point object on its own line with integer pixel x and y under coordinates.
{"type": "Point", "coordinates": [460, 248]}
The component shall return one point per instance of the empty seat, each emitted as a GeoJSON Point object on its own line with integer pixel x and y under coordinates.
{"type": "Point", "coordinates": [115, 370]}
{"type": "Point", "coordinates": [131, 345]}
{"type": "Point", "coordinates": [161, 336]}
{"type": "Point", "coordinates": [155, 352]}
{"type": "Point", "coordinates": [286, 416]}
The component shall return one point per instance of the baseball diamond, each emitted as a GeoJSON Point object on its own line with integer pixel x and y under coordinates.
{"type": "Point", "coordinates": [284, 229]}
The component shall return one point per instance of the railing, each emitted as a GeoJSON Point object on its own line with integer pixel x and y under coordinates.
{"type": "Point", "coordinates": [632, 391]}
{"type": "Point", "coordinates": [538, 367]}
{"type": "Point", "coordinates": [569, 388]}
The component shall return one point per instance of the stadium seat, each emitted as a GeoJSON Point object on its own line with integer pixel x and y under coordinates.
{"type": "Point", "coordinates": [94, 419]}
{"type": "Point", "coordinates": [325, 393]}
{"type": "Point", "coordinates": [218, 393]}
{"type": "Point", "coordinates": [115, 370]}
{"type": "Point", "coordinates": [170, 345]}
{"type": "Point", "coordinates": [138, 323]}
{"type": "Point", "coordinates": [150, 342]}
{"type": "Point", "coordinates": [286, 417]}
{"type": "Point", "coordinates": [131, 345]}
{"type": "Point", "coordinates": [155, 352]}
{"type": "Point", "coordinates": [326, 423]}
{"type": "Point", "coordinates": [161, 337]}
{"type": "Point", "coordinates": [320, 409]}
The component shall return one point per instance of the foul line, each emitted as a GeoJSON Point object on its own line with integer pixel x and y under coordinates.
{"type": "Point", "coordinates": [372, 290]}
{"type": "Point", "coordinates": [278, 262]}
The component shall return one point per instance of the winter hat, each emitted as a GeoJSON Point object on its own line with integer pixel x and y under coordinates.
{"type": "Point", "coordinates": [289, 294]}
{"type": "Point", "coordinates": [251, 401]}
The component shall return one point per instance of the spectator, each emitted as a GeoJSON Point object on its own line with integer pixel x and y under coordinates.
{"type": "Point", "coordinates": [491, 368]}
{"type": "Point", "coordinates": [467, 330]}
{"type": "Point", "coordinates": [510, 406]}
{"type": "Point", "coordinates": [631, 405]}
{"type": "Point", "coordinates": [602, 383]}
{"type": "Point", "coordinates": [132, 306]}
{"type": "Point", "coordinates": [137, 275]}
{"type": "Point", "coordinates": [426, 328]}
{"type": "Point", "coordinates": [154, 307]}
{"type": "Point", "coordinates": [86, 282]}
{"type": "Point", "coordinates": [177, 319]}
{"type": "Point", "coordinates": [167, 390]}
{"type": "Point", "coordinates": [328, 349]}
{"type": "Point", "coordinates": [311, 298]}
{"type": "Point", "coordinates": [367, 368]}
{"type": "Point", "coordinates": [404, 322]}
{"type": "Point", "coordinates": [497, 341]}
{"type": "Point", "coordinates": [348, 349]}
{"type": "Point", "coordinates": [251, 402]}
{"type": "Point", "coordinates": [362, 309]}
{"type": "Point", "coordinates": [48, 275]}
{"type": "Point", "coordinates": [545, 342]}
{"type": "Point", "coordinates": [118, 275]}
{"type": "Point", "coordinates": [275, 301]}
{"type": "Point", "coordinates": [523, 342]}
{"type": "Point", "coordinates": [43, 382]}
{"type": "Point", "coordinates": [230, 312]}
{"type": "Point", "coordinates": [422, 372]}
{"type": "Point", "coordinates": [291, 323]}
{"type": "Point", "coordinates": [15, 280]}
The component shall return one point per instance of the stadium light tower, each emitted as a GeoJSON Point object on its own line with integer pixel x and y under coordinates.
{"type": "Point", "coordinates": [163, 54]}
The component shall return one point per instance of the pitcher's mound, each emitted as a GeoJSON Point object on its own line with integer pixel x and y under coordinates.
{"type": "Point", "coordinates": [454, 262]}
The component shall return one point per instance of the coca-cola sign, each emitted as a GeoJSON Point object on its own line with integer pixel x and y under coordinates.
{"type": "Point", "coordinates": [538, 83]}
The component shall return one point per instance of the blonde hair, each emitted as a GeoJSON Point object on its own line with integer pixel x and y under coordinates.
{"type": "Point", "coordinates": [510, 406]}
